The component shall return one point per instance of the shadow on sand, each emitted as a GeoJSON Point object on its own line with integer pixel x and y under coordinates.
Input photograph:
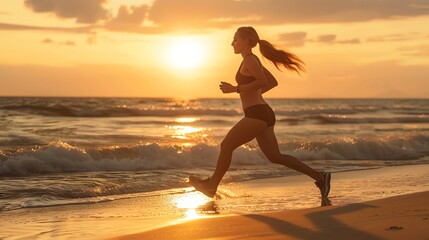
{"type": "Point", "coordinates": [326, 225]}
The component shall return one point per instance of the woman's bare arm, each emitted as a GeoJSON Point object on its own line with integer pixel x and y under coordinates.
{"type": "Point", "coordinates": [271, 81]}
{"type": "Point", "coordinates": [264, 79]}
{"type": "Point", "coordinates": [253, 65]}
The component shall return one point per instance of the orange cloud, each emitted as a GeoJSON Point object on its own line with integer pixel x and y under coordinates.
{"type": "Point", "coordinates": [14, 27]}
{"type": "Point", "coordinates": [328, 38]}
{"type": "Point", "coordinates": [226, 13]}
{"type": "Point", "coordinates": [47, 41]}
{"type": "Point", "coordinates": [171, 15]}
{"type": "Point", "coordinates": [293, 39]}
{"type": "Point", "coordinates": [350, 41]}
{"type": "Point", "coordinates": [128, 18]}
{"type": "Point", "coordinates": [298, 39]}
{"type": "Point", "coordinates": [50, 41]}
{"type": "Point", "coordinates": [85, 11]}
{"type": "Point", "coordinates": [395, 37]}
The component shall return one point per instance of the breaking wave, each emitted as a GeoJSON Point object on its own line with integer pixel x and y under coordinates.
{"type": "Point", "coordinates": [59, 157]}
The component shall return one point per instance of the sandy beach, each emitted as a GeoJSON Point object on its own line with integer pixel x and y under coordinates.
{"type": "Point", "coordinates": [400, 211]}
{"type": "Point", "coordinates": [382, 203]}
{"type": "Point", "coordinates": [109, 109]}
{"type": "Point", "coordinates": [400, 217]}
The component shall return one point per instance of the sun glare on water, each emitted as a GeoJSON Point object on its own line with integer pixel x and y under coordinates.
{"type": "Point", "coordinates": [190, 203]}
{"type": "Point", "coordinates": [185, 53]}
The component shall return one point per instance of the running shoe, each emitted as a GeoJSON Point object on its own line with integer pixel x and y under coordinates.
{"type": "Point", "coordinates": [202, 186]}
{"type": "Point", "coordinates": [324, 184]}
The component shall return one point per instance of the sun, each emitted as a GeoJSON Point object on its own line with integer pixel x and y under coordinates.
{"type": "Point", "coordinates": [185, 53]}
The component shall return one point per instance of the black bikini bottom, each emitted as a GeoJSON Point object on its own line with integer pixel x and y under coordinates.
{"type": "Point", "coordinates": [262, 112]}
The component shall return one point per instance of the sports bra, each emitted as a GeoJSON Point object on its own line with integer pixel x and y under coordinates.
{"type": "Point", "coordinates": [243, 79]}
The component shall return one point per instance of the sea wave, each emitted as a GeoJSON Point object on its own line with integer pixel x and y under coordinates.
{"type": "Point", "coordinates": [342, 119]}
{"type": "Point", "coordinates": [99, 107]}
{"type": "Point", "coordinates": [62, 157]}
{"type": "Point", "coordinates": [85, 111]}
{"type": "Point", "coordinates": [352, 119]}
{"type": "Point", "coordinates": [59, 157]}
{"type": "Point", "coordinates": [323, 116]}
{"type": "Point", "coordinates": [396, 148]}
{"type": "Point", "coordinates": [352, 110]}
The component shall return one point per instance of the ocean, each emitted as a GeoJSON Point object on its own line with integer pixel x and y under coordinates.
{"type": "Point", "coordinates": [62, 151]}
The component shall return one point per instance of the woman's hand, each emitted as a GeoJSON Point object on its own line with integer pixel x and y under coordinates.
{"type": "Point", "coordinates": [227, 87]}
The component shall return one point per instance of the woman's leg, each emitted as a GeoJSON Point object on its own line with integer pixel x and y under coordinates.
{"type": "Point", "coordinates": [242, 132]}
{"type": "Point", "coordinates": [267, 141]}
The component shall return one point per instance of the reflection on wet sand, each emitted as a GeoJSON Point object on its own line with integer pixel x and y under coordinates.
{"type": "Point", "coordinates": [195, 205]}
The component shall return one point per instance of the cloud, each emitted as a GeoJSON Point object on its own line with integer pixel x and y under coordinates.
{"type": "Point", "coordinates": [225, 13]}
{"type": "Point", "coordinates": [68, 43]}
{"type": "Point", "coordinates": [298, 39]}
{"type": "Point", "coordinates": [350, 41]}
{"type": "Point", "coordinates": [50, 41]}
{"type": "Point", "coordinates": [395, 37]}
{"type": "Point", "coordinates": [18, 27]}
{"type": "Point", "coordinates": [129, 18]}
{"type": "Point", "coordinates": [170, 15]}
{"type": "Point", "coordinates": [47, 41]}
{"type": "Point", "coordinates": [293, 39]}
{"type": "Point", "coordinates": [85, 11]}
{"type": "Point", "coordinates": [328, 38]}
{"type": "Point", "coordinates": [332, 39]}
{"type": "Point", "coordinates": [199, 15]}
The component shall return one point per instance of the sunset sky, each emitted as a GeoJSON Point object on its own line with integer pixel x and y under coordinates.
{"type": "Point", "coordinates": [182, 48]}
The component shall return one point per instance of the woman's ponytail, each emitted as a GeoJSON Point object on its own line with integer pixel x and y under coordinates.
{"type": "Point", "coordinates": [280, 57]}
{"type": "Point", "coordinates": [276, 56]}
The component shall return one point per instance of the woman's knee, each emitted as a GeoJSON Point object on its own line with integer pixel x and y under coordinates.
{"type": "Point", "coordinates": [226, 145]}
{"type": "Point", "coordinates": [276, 158]}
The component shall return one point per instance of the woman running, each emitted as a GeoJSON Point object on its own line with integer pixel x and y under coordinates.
{"type": "Point", "coordinates": [258, 122]}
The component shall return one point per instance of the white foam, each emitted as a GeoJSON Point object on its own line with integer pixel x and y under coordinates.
{"type": "Point", "coordinates": [62, 157]}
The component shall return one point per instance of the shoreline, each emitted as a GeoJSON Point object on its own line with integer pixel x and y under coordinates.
{"type": "Point", "coordinates": [375, 183]}
{"type": "Point", "coordinates": [399, 217]}
{"type": "Point", "coordinates": [261, 197]}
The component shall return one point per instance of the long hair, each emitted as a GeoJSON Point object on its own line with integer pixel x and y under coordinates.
{"type": "Point", "coordinates": [277, 56]}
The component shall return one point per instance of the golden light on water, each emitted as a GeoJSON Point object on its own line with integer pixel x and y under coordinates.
{"type": "Point", "coordinates": [186, 120]}
{"type": "Point", "coordinates": [184, 132]}
{"type": "Point", "coordinates": [190, 200]}
{"type": "Point", "coordinates": [190, 203]}
{"type": "Point", "coordinates": [192, 214]}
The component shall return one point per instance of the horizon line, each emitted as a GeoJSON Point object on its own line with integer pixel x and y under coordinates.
{"type": "Point", "coordinates": [229, 98]}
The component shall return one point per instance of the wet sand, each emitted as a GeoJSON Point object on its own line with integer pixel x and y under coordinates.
{"type": "Point", "coordinates": [400, 217]}
{"type": "Point", "coordinates": [400, 211]}
{"type": "Point", "coordinates": [384, 203]}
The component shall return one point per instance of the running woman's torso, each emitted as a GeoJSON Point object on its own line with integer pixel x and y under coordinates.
{"type": "Point", "coordinates": [248, 98]}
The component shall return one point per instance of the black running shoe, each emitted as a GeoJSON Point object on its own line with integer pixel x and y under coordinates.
{"type": "Point", "coordinates": [324, 184]}
{"type": "Point", "coordinates": [202, 186]}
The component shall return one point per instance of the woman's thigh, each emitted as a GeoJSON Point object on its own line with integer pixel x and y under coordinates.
{"type": "Point", "coordinates": [243, 131]}
{"type": "Point", "coordinates": [267, 141]}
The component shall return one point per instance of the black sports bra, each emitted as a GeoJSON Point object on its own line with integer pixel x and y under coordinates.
{"type": "Point", "coordinates": [243, 79]}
